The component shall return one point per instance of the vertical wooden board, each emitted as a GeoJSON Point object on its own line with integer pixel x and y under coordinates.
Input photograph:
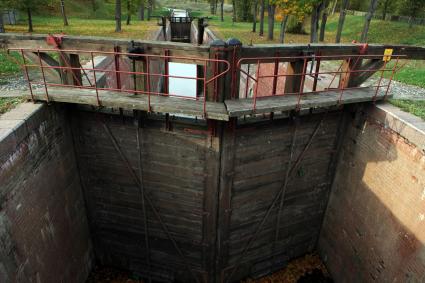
{"type": "Point", "coordinates": [307, 190]}
{"type": "Point", "coordinates": [180, 175]}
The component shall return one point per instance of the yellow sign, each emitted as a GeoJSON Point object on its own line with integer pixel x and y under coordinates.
{"type": "Point", "coordinates": [387, 55]}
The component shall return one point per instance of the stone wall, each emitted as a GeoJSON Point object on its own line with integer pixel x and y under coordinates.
{"type": "Point", "coordinates": [374, 228]}
{"type": "Point", "coordinates": [44, 235]}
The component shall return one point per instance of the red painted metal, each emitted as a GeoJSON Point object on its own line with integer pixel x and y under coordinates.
{"type": "Point", "coordinates": [118, 71]}
{"type": "Point", "coordinates": [281, 73]}
{"type": "Point", "coordinates": [55, 39]}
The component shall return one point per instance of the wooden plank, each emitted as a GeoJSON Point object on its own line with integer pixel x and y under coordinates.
{"type": "Point", "coordinates": [95, 43]}
{"type": "Point", "coordinates": [265, 50]}
{"type": "Point", "coordinates": [242, 107]}
{"type": "Point", "coordinates": [161, 104]}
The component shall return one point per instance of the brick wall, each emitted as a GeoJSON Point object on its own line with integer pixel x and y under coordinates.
{"type": "Point", "coordinates": [44, 235]}
{"type": "Point", "coordinates": [374, 228]}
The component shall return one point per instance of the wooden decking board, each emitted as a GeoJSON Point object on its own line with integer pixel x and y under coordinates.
{"type": "Point", "coordinates": [161, 104]}
{"type": "Point", "coordinates": [236, 108]}
{"type": "Point", "coordinates": [215, 110]}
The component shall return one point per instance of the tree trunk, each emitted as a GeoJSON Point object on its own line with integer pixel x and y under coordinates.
{"type": "Point", "coordinates": [254, 18]}
{"type": "Point", "coordinates": [93, 5]}
{"type": "Point", "coordinates": [283, 28]}
{"type": "Point", "coordinates": [149, 9]}
{"type": "Point", "coordinates": [117, 15]}
{"type": "Point", "coordinates": [334, 7]}
{"type": "Point", "coordinates": [369, 16]}
{"type": "Point", "coordinates": [128, 12]}
{"type": "Point", "coordinates": [342, 13]}
{"type": "Point", "coordinates": [245, 11]}
{"type": "Point", "coordinates": [314, 27]}
{"type": "Point", "coordinates": [385, 9]}
{"type": "Point", "coordinates": [65, 19]}
{"type": "Point", "coordinates": [234, 11]}
{"type": "Point", "coordinates": [142, 11]}
{"type": "Point", "coordinates": [323, 25]}
{"type": "Point", "coordinates": [222, 10]}
{"type": "Point", "coordinates": [1, 24]}
{"type": "Point", "coordinates": [212, 7]}
{"type": "Point", "coordinates": [271, 10]}
{"type": "Point", "coordinates": [262, 8]}
{"type": "Point", "coordinates": [30, 27]}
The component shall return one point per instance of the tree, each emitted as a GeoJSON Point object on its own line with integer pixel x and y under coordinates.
{"type": "Point", "coordinates": [317, 7]}
{"type": "Point", "coordinates": [342, 13]}
{"type": "Point", "coordinates": [324, 21]}
{"type": "Point", "coordinates": [142, 10]}
{"type": "Point", "coordinates": [117, 15]}
{"type": "Point", "coordinates": [262, 8]}
{"type": "Point", "coordinates": [65, 19]}
{"type": "Point", "coordinates": [28, 6]}
{"type": "Point", "coordinates": [132, 7]}
{"type": "Point", "coordinates": [222, 10]}
{"type": "Point", "coordinates": [385, 5]}
{"type": "Point", "coordinates": [368, 19]}
{"type": "Point", "coordinates": [1, 18]}
{"type": "Point", "coordinates": [234, 11]}
{"type": "Point", "coordinates": [271, 13]}
{"type": "Point", "coordinates": [254, 19]}
{"type": "Point", "coordinates": [296, 9]}
{"type": "Point", "coordinates": [413, 8]}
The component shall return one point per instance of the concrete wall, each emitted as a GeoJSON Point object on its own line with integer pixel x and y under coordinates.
{"type": "Point", "coordinates": [44, 235]}
{"type": "Point", "coordinates": [374, 229]}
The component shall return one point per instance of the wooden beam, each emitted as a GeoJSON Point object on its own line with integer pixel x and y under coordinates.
{"type": "Point", "coordinates": [237, 108]}
{"type": "Point", "coordinates": [94, 43]}
{"type": "Point", "coordinates": [160, 104]}
{"type": "Point", "coordinates": [265, 50]}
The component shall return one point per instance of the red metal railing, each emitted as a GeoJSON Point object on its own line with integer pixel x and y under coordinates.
{"type": "Point", "coordinates": [256, 82]}
{"type": "Point", "coordinates": [119, 71]}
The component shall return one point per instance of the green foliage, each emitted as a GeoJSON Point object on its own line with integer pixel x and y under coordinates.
{"type": "Point", "coordinates": [8, 103]}
{"type": "Point", "coordinates": [415, 107]}
{"type": "Point", "coordinates": [412, 8]}
{"type": "Point", "coordinates": [8, 65]}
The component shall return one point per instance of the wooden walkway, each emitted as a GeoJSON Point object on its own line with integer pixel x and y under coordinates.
{"type": "Point", "coordinates": [214, 110]}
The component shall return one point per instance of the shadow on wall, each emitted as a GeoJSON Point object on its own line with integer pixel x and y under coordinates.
{"type": "Point", "coordinates": [374, 228]}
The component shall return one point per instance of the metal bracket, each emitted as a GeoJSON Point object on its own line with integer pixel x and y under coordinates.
{"type": "Point", "coordinates": [55, 39]}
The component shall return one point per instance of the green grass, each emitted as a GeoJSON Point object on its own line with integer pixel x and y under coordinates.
{"type": "Point", "coordinates": [8, 103]}
{"type": "Point", "coordinates": [417, 108]}
{"type": "Point", "coordinates": [94, 27]}
{"type": "Point", "coordinates": [8, 66]}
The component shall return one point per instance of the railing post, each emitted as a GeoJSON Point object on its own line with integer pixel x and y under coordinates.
{"type": "Point", "coordinates": [233, 78]}
{"type": "Point", "coordinates": [217, 88]}
{"type": "Point", "coordinates": [294, 75]}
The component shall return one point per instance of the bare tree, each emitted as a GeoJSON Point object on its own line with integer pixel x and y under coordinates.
{"type": "Point", "coordinates": [117, 15]}
{"type": "Point", "coordinates": [342, 13]}
{"type": "Point", "coordinates": [368, 19]}
{"type": "Point", "coordinates": [65, 19]}
{"type": "Point", "coordinates": [262, 8]}
{"type": "Point", "coordinates": [271, 11]}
